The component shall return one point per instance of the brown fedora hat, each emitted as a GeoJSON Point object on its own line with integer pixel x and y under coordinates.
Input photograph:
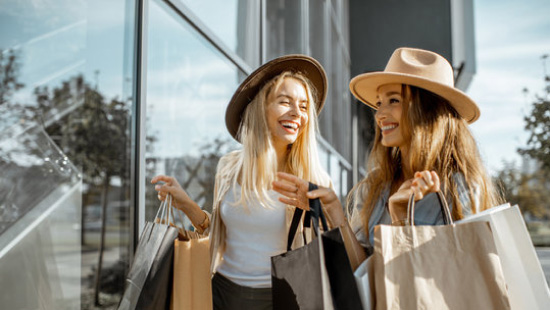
{"type": "Point", "coordinates": [420, 68]}
{"type": "Point", "coordinates": [248, 89]}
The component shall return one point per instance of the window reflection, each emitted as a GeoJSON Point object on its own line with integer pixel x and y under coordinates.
{"type": "Point", "coordinates": [235, 22]}
{"type": "Point", "coordinates": [189, 86]}
{"type": "Point", "coordinates": [284, 28]}
{"type": "Point", "coordinates": [68, 84]}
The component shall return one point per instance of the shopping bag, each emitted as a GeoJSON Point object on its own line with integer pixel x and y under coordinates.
{"type": "Point", "coordinates": [192, 285]}
{"type": "Point", "coordinates": [364, 285]}
{"type": "Point", "coordinates": [527, 286]}
{"type": "Point", "coordinates": [317, 275]}
{"type": "Point", "coordinates": [454, 266]}
{"type": "Point", "coordinates": [149, 281]}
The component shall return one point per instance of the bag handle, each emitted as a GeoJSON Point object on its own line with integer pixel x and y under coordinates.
{"type": "Point", "coordinates": [313, 215]}
{"type": "Point", "coordinates": [447, 218]}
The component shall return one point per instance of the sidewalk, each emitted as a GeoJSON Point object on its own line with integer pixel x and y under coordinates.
{"type": "Point", "coordinates": [544, 257]}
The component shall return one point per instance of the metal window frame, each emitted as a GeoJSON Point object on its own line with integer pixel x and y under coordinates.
{"type": "Point", "coordinates": [194, 21]}
{"type": "Point", "coordinates": [139, 93]}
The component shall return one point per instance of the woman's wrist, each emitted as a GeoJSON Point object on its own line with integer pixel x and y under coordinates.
{"type": "Point", "coordinates": [335, 217]}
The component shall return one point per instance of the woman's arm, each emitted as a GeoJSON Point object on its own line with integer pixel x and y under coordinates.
{"type": "Point", "coordinates": [181, 200]}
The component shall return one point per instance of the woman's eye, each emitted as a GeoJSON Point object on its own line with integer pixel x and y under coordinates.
{"type": "Point", "coordinates": [394, 100]}
{"type": "Point", "coordinates": [303, 108]}
{"type": "Point", "coordinates": [378, 104]}
{"type": "Point", "coordinates": [285, 102]}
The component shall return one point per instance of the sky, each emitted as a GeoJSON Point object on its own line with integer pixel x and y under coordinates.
{"type": "Point", "coordinates": [511, 37]}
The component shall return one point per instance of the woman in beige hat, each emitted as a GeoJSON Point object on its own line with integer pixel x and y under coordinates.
{"type": "Point", "coordinates": [273, 114]}
{"type": "Point", "coordinates": [422, 144]}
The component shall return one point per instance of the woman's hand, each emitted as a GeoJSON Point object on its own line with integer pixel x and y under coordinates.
{"type": "Point", "coordinates": [171, 186]}
{"type": "Point", "coordinates": [295, 193]}
{"type": "Point", "coordinates": [181, 200]}
{"type": "Point", "coordinates": [423, 183]}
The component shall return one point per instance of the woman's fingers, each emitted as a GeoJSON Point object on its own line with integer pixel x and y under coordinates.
{"type": "Point", "coordinates": [425, 182]}
{"type": "Point", "coordinates": [294, 202]}
{"type": "Point", "coordinates": [286, 188]}
{"type": "Point", "coordinates": [162, 178]}
{"type": "Point", "coordinates": [293, 189]}
{"type": "Point", "coordinates": [437, 182]}
{"type": "Point", "coordinates": [288, 177]}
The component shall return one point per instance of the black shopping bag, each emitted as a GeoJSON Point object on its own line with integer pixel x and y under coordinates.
{"type": "Point", "coordinates": [149, 282]}
{"type": "Point", "coordinates": [317, 275]}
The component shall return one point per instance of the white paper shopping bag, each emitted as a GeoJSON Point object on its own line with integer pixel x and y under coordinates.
{"type": "Point", "coordinates": [363, 284]}
{"type": "Point", "coordinates": [527, 286]}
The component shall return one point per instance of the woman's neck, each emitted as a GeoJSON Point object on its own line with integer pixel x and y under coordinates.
{"type": "Point", "coordinates": [282, 156]}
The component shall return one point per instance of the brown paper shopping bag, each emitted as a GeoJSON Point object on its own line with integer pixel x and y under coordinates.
{"type": "Point", "coordinates": [191, 279]}
{"type": "Point", "coordinates": [453, 266]}
{"type": "Point", "coordinates": [192, 289]}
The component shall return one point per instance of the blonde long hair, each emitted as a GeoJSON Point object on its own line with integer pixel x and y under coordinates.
{"type": "Point", "coordinates": [440, 140]}
{"type": "Point", "coordinates": [256, 166]}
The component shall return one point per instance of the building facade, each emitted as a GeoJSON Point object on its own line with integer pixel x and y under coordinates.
{"type": "Point", "coordinates": [97, 97]}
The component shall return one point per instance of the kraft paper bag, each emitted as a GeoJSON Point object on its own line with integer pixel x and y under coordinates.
{"type": "Point", "coordinates": [192, 288]}
{"type": "Point", "coordinates": [453, 266]}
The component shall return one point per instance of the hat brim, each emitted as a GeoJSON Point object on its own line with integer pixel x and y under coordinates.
{"type": "Point", "coordinates": [365, 86]}
{"type": "Point", "coordinates": [250, 87]}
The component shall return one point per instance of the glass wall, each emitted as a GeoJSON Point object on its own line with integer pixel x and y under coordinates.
{"type": "Point", "coordinates": [234, 22]}
{"type": "Point", "coordinates": [189, 84]}
{"type": "Point", "coordinates": [65, 136]}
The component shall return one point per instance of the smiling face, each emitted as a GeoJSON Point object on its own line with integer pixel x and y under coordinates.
{"type": "Point", "coordinates": [388, 115]}
{"type": "Point", "coordinates": [286, 112]}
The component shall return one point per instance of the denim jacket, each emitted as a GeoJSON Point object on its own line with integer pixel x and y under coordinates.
{"type": "Point", "coordinates": [427, 211]}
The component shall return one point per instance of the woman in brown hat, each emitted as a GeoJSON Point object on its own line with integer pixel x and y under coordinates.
{"type": "Point", "coordinates": [273, 114]}
{"type": "Point", "coordinates": [422, 144]}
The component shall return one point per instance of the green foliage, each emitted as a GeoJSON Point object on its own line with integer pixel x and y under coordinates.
{"type": "Point", "coordinates": [538, 125]}
{"type": "Point", "coordinates": [530, 191]}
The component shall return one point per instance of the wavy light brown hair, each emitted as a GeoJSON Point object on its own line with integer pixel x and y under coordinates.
{"type": "Point", "coordinates": [440, 140]}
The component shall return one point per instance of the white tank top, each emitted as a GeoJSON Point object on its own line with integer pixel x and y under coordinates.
{"type": "Point", "coordinates": [253, 235]}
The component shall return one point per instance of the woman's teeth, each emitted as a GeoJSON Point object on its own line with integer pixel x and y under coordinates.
{"type": "Point", "coordinates": [388, 127]}
{"type": "Point", "coordinates": [290, 125]}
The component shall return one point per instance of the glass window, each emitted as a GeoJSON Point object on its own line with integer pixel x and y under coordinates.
{"type": "Point", "coordinates": [189, 84]}
{"type": "Point", "coordinates": [317, 31]}
{"type": "Point", "coordinates": [67, 68]}
{"type": "Point", "coordinates": [283, 28]}
{"type": "Point", "coordinates": [235, 22]}
{"type": "Point", "coordinates": [336, 175]}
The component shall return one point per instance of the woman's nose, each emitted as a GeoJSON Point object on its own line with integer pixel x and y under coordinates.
{"type": "Point", "coordinates": [380, 113]}
{"type": "Point", "coordinates": [295, 109]}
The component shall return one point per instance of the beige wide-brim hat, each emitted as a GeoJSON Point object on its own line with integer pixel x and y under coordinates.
{"type": "Point", "coordinates": [250, 87]}
{"type": "Point", "coordinates": [420, 68]}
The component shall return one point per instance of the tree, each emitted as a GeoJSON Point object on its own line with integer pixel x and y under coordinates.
{"type": "Point", "coordinates": [537, 123]}
{"type": "Point", "coordinates": [529, 190]}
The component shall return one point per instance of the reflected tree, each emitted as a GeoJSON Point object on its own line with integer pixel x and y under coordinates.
{"type": "Point", "coordinates": [95, 137]}
{"type": "Point", "coordinates": [196, 174]}
{"type": "Point", "coordinates": [9, 71]}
